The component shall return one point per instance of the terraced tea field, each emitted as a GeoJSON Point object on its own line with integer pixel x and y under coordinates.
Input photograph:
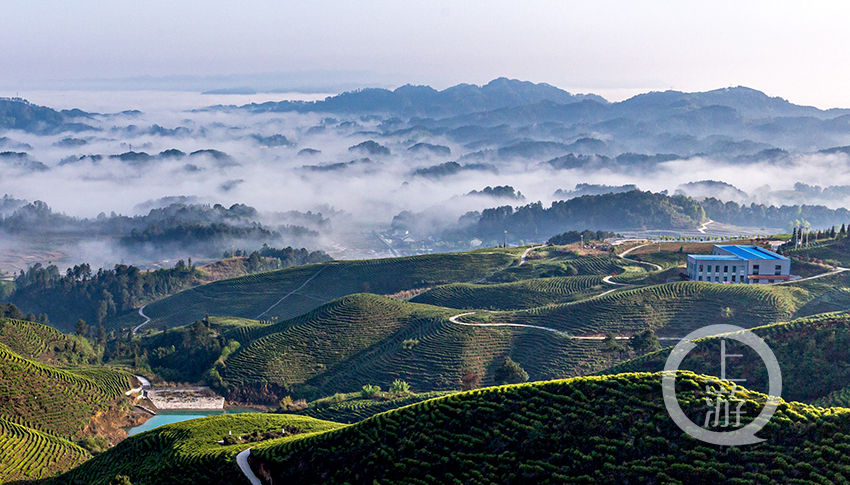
{"type": "Point", "coordinates": [352, 407]}
{"type": "Point", "coordinates": [187, 452]}
{"type": "Point", "coordinates": [513, 296]}
{"type": "Point", "coordinates": [810, 351]}
{"type": "Point", "coordinates": [57, 401]}
{"type": "Point", "coordinates": [367, 339]}
{"type": "Point", "coordinates": [672, 309]}
{"type": "Point", "coordinates": [42, 343]}
{"type": "Point", "coordinates": [585, 430]}
{"type": "Point", "coordinates": [27, 454]}
{"type": "Point", "coordinates": [294, 291]}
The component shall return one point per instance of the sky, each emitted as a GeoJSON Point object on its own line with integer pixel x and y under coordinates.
{"type": "Point", "coordinates": [797, 50]}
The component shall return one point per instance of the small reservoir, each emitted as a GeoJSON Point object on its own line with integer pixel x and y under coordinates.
{"type": "Point", "coordinates": [175, 416]}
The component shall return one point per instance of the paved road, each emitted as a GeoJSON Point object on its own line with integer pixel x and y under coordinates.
{"type": "Point", "coordinates": [607, 279]}
{"type": "Point", "coordinates": [147, 320]}
{"type": "Point", "coordinates": [454, 319]}
{"type": "Point", "coordinates": [525, 255]}
{"type": "Point", "coordinates": [624, 253]}
{"type": "Point", "coordinates": [830, 273]}
{"type": "Point", "coordinates": [242, 461]}
{"type": "Point", "coordinates": [704, 226]}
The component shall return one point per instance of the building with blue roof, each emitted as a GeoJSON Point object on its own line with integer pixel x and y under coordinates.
{"type": "Point", "coordinates": [734, 263]}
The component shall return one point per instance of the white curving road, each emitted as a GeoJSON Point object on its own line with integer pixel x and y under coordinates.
{"type": "Point", "coordinates": [290, 293]}
{"type": "Point", "coordinates": [147, 320]}
{"type": "Point", "coordinates": [242, 461]}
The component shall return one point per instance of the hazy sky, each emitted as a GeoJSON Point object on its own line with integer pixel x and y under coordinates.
{"type": "Point", "coordinates": [797, 50]}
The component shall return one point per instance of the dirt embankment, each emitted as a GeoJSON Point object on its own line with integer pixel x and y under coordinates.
{"type": "Point", "coordinates": [109, 423]}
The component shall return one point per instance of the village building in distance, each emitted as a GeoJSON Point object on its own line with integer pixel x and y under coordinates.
{"type": "Point", "coordinates": [732, 263]}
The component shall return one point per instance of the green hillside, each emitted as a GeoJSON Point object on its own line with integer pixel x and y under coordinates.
{"type": "Point", "coordinates": [672, 309]}
{"type": "Point", "coordinates": [44, 344]}
{"type": "Point", "coordinates": [813, 354]}
{"type": "Point", "coordinates": [353, 407]}
{"type": "Point", "coordinates": [27, 454]}
{"type": "Point", "coordinates": [188, 452]}
{"type": "Point", "coordinates": [513, 296]}
{"type": "Point", "coordinates": [294, 291]}
{"type": "Point", "coordinates": [54, 400]}
{"type": "Point", "coordinates": [611, 429]}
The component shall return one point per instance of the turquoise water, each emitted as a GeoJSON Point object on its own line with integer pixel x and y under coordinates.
{"type": "Point", "coordinates": [168, 417]}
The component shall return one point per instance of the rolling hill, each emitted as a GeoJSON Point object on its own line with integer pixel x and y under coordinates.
{"type": "Point", "coordinates": [44, 344]}
{"type": "Point", "coordinates": [188, 452]}
{"type": "Point", "coordinates": [610, 429]}
{"type": "Point", "coordinates": [294, 291]}
{"type": "Point", "coordinates": [57, 401]}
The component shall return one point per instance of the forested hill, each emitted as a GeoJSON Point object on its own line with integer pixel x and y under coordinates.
{"type": "Point", "coordinates": [411, 100]}
{"type": "Point", "coordinates": [624, 211]}
{"type": "Point", "coordinates": [18, 114]}
{"type": "Point", "coordinates": [636, 210]}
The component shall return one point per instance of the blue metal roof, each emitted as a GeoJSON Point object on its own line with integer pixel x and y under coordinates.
{"type": "Point", "coordinates": [715, 257]}
{"type": "Point", "coordinates": [750, 252]}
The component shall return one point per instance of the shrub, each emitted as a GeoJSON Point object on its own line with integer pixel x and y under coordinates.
{"type": "Point", "coordinates": [370, 391]}
{"type": "Point", "coordinates": [469, 381]}
{"type": "Point", "coordinates": [510, 372]}
{"type": "Point", "coordinates": [120, 480]}
{"type": "Point", "coordinates": [400, 387]}
{"type": "Point", "coordinates": [409, 343]}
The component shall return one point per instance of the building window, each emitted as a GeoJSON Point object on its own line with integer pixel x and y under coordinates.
{"type": "Point", "coordinates": [755, 269]}
{"type": "Point", "coordinates": [726, 269]}
{"type": "Point", "coordinates": [699, 278]}
{"type": "Point", "coordinates": [733, 277]}
{"type": "Point", "coordinates": [725, 279]}
{"type": "Point", "coordinates": [700, 268]}
{"type": "Point", "coordinates": [777, 270]}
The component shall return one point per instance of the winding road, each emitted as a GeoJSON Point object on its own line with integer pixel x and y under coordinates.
{"type": "Point", "coordinates": [627, 251]}
{"type": "Point", "coordinates": [242, 461]}
{"type": "Point", "coordinates": [147, 320]}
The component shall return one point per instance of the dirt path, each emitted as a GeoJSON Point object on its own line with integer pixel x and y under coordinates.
{"type": "Point", "coordinates": [704, 226]}
{"type": "Point", "coordinates": [242, 461]}
{"type": "Point", "coordinates": [290, 293]}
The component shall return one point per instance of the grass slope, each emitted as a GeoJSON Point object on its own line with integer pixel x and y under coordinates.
{"type": "Point", "coordinates": [294, 291]}
{"type": "Point", "coordinates": [187, 452]}
{"type": "Point", "coordinates": [54, 400]}
{"type": "Point", "coordinates": [27, 454]}
{"type": "Point", "coordinates": [611, 429]}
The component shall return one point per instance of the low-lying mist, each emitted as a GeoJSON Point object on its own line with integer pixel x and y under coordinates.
{"type": "Point", "coordinates": [357, 171]}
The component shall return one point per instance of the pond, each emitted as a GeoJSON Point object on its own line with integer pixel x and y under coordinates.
{"type": "Point", "coordinates": [175, 416]}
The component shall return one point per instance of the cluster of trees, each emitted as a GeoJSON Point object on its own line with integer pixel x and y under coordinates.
{"type": "Point", "coordinates": [269, 258]}
{"type": "Point", "coordinates": [570, 237]}
{"type": "Point", "coordinates": [760, 215]}
{"type": "Point", "coordinates": [95, 297]}
{"type": "Point", "coordinates": [9, 310]}
{"type": "Point", "coordinates": [628, 210]}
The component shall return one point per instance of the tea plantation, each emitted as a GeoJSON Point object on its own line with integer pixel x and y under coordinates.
{"type": "Point", "coordinates": [54, 400]}
{"type": "Point", "coordinates": [189, 452]}
{"type": "Point", "coordinates": [611, 429]}
{"type": "Point", "coordinates": [291, 292]}
{"type": "Point", "coordinates": [27, 454]}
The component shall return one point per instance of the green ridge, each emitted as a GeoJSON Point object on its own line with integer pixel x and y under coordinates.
{"type": "Point", "coordinates": [187, 452]}
{"type": "Point", "coordinates": [611, 429]}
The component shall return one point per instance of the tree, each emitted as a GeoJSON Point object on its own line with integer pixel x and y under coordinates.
{"type": "Point", "coordinates": [510, 372]}
{"type": "Point", "coordinates": [470, 380]}
{"type": "Point", "coordinates": [81, 328]}
{"type": "Point", "coordinates": [120, 480]}
{"type": "Point", "coordinates": [612, 347]}
{"type": "Point", "coordinates": [370, 391]}
{"type": "Point", "coordinates": [644, 342]}
{"type": "Point", "coordinates": [101, 334]}
{"type": "Point", "coordinates": [400, 387]}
